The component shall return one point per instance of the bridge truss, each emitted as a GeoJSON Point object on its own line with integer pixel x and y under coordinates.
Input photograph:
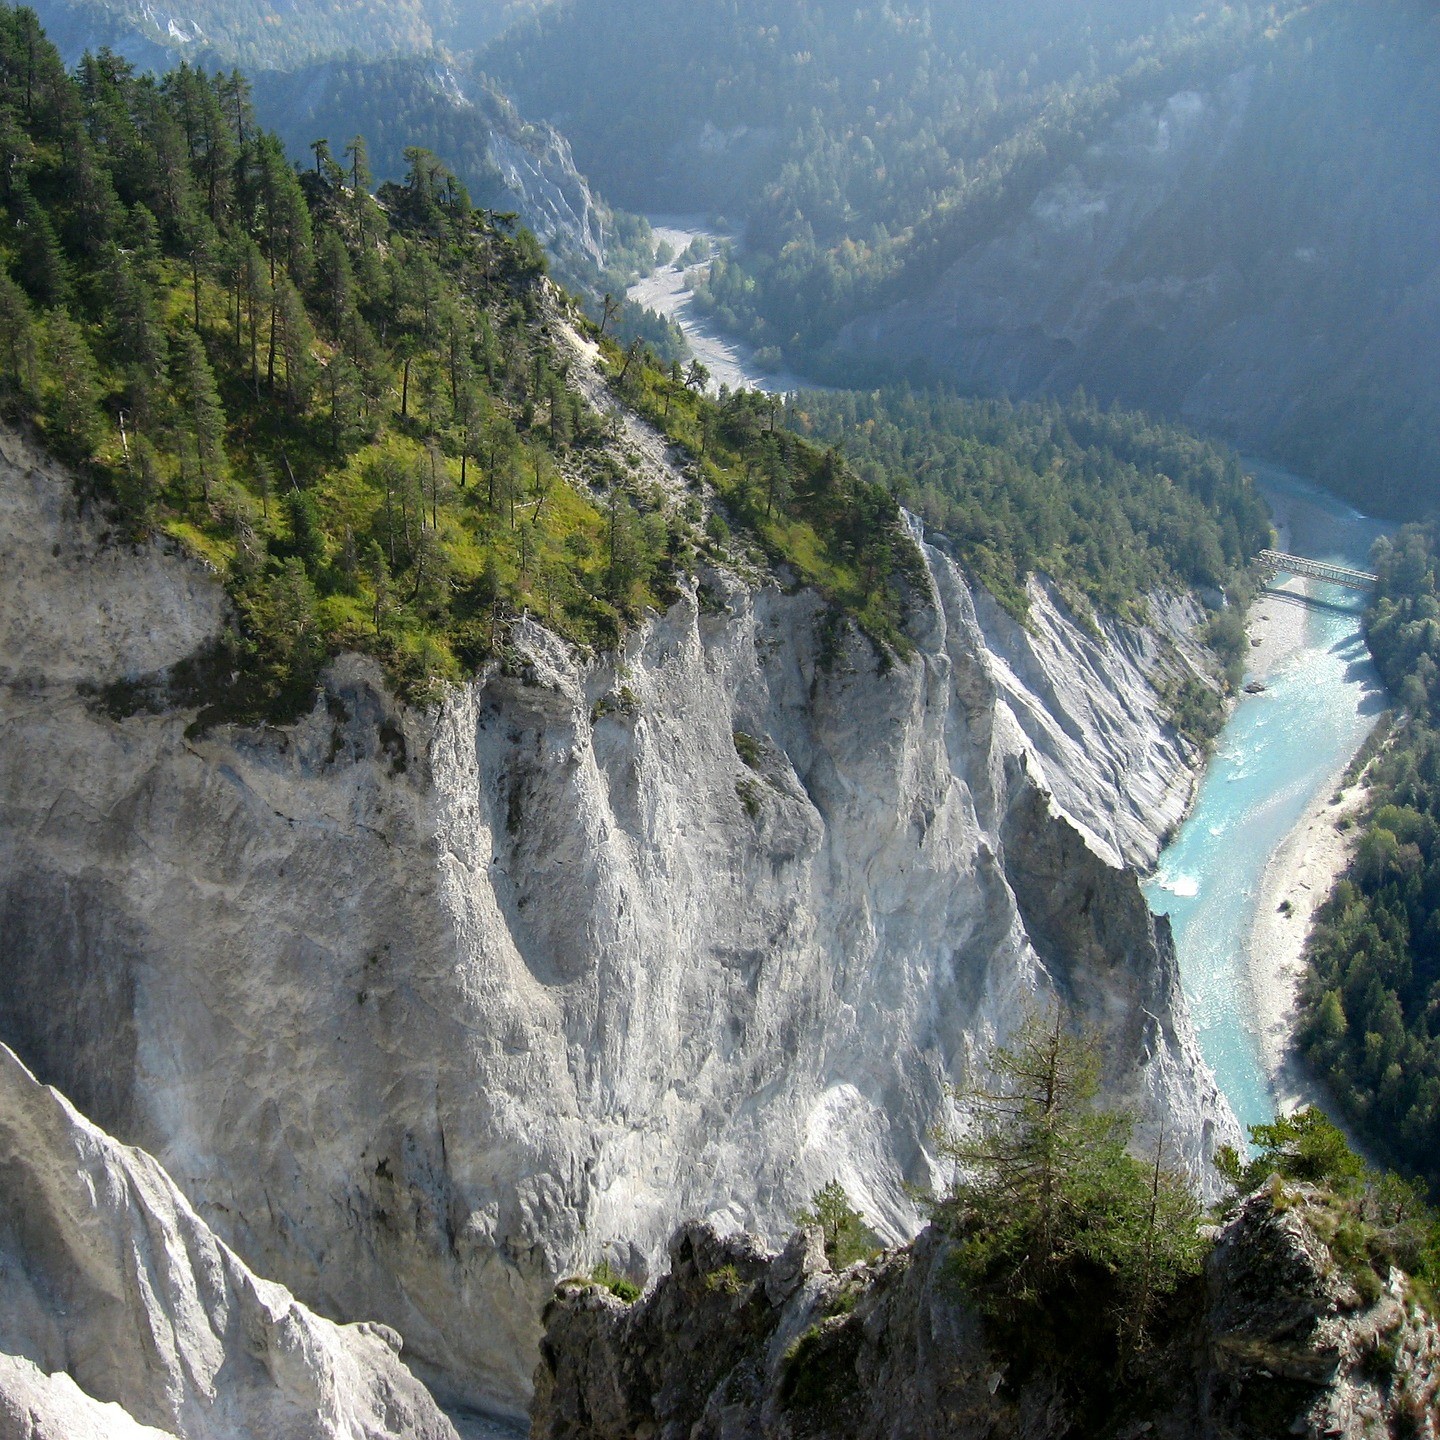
{"type": "Point", "coordinates": [1274, 561]}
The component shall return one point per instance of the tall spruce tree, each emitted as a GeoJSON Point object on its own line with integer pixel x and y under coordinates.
{"type": "Point", "coordinates": [1048, 1204]}
{"type": "Point", "coordinates": [72, 390]}
{"type": "Point", "coordinates": [204, 411]}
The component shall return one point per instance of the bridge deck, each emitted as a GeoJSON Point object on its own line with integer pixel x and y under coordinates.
{"type": "Point", "coordinates": [1274, 560]}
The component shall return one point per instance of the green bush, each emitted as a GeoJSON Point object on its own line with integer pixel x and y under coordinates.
{"type": "Point", "coordinates": [847, 1237]}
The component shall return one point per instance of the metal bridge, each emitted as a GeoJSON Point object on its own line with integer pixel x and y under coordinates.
{"type": "Point", "coordinates": [1272, 561]}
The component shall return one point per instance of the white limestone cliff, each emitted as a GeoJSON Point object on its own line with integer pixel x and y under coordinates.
{"type": "Point", "coordinates": [125, 1318]}
{"type": "Point", "coordinates": [423, 1011]}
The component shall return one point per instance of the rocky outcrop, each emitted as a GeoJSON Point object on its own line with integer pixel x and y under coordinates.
{"type": "Point", "coordinates": [737, 1342]}
{"type": "Point", "coordinates": [1292, 1316]}
{"type": "Point", "coordinates": [125, 1317]}
{"type": "Point", "coordinates": [424, 1010]}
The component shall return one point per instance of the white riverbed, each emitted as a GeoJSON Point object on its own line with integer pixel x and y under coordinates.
{"type": "Point", "coordinates": [668, 290]}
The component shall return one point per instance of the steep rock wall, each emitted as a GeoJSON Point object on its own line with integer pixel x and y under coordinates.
{"type": "Point", "coordinates": [125, 1317]}
{"type": "Point", "coordinates": [423, 1011]}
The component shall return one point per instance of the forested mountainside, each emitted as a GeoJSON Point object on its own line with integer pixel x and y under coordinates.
{"type": "Point", "coordinates": [505, 163]}
{"type": "Point", "coordinates": [258, 35]}
{"type": "Point", "coordinates": [850, 119]}
{"type": "Point", "coordinates": [1372, 999]}
{"type": "Point", "coordinates": [358, 411]}
{"type": "Point", "coordinates": [1112, 502]}
{"type": "Point", "coordinates": [1221, 215]}
{"type": "Point", "coordinates": [414, 97]}
{"type": "Point", "coordinates": [365, 413]}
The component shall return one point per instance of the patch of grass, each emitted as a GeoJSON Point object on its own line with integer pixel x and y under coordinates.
{"type": "Point", "coordinates": [606, 1275]}
{"type": "Point", "coordinates": [747, 747]}
{"type": "Point", "coordinates": [724, 1281]}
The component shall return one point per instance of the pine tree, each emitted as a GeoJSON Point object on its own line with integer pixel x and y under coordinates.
{"type": "Point", "coordinates": [1047, 1201]}
{"type": "Point", "coordinates": [307, 534]}
{"type": "Point", "coordinates": [71, 408]}
{"type": "Point", "coordinates": [44, 271]}
{"type": "Point", "coordinates": [361, 183]}
{"type": "Point", "coordinates": [378, 574]}
{"type": "Point", "coordinates": [95, 210]}
{"type": "Point", "coordinates": [847, 1237]}
{"type": "Point", "coordinates": [17, 337]}
{"type": "Point", "coordinates": [294, 341]}
{"type": "Point", "coordinates": [136, 340]}
{"type": "Point", "coordinates": [344, 394]}
{"type": "Point", "coordinates": [205, 414]}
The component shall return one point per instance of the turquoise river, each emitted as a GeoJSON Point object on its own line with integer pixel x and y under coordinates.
{"type": "Point", "coordinates": [1279, 753]}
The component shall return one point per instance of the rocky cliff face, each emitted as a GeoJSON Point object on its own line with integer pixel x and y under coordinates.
{"type": "Point", "coordinates": [125, 1317]}
{"type": "Point", "coordinates": [506, 162]}
{"type": "Point", "coordinates": [424, 1010]}
{"type": "Point", "coordinates": [737, 1342]}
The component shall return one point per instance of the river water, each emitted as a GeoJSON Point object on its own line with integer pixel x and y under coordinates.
{"type": "Point", "coordinates": [1280, 752]}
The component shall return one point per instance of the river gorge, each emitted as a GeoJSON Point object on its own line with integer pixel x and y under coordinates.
{"type": "Point", "coordinates": [424, 1009]}
{"type": "Point", "coordinates": [1263, 843]}
{"type": "Point", "coordinates": [1261, 846]}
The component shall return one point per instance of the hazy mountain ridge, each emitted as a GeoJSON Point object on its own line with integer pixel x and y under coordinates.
{"type": "Point", "coordinates": [1255, 256]}
{"type": "Point", "coordinates": [257, 33]}
{"type": "Point", "coordinates": [1229, 219]}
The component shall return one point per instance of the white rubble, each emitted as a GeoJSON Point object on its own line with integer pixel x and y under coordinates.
{"type": "Point", "coordinates": [423, 1011]}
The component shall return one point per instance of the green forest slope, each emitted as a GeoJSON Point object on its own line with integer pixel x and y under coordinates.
{"type": "Point", "coordinates": [1223, 214]}
{"type": "Point", "coordinates": [360, 412]}
{"type": "Point", "coordinates": [366, 413]}
{"type": "Point", "coordinates": [1372, 999]}
{"type": "Point", "coordinates": [855, 142]}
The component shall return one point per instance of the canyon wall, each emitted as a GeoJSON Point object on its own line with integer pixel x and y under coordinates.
{"type": "Point", "coordinates": [423, 1011]}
